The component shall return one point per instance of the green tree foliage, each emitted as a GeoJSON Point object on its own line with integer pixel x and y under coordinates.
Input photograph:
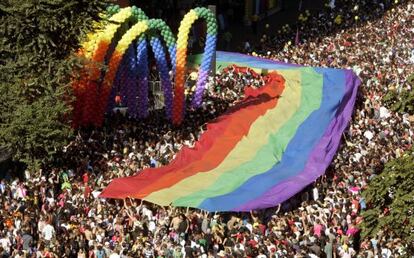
{"type": "Point", "coordinates": [402, 102]}
{"type": "Point", "coordinates": [38, 39]}
{"type": "Point", "coordinates": [390, 198]}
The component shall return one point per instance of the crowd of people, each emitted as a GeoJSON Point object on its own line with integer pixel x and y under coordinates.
{"type": "Point", "coordinates": [56, 212]}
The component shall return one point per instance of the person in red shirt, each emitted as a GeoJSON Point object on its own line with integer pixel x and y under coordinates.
{"type": "Point", "coordinates": [87, 191]}
{"type": "Point", "coordinates": [355, 202]}
{"type": "Point", "coordinates": [85, 177]}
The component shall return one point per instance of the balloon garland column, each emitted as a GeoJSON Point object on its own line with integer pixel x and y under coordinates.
{"type": "Point", "coordinates": [143, 73]}
{"type": "Point", "coordinates": [131, 89]}
{"type": "Point", "coordinates": [125, 83]}
{"type": "Point", "coordinates": [140, 107]}
{"type": "Point", "coordinates": [209, 49]}
{"type": "Point", "coordinates": [181, 59]}
{"type": "Point", "coordinates": [181, 62]}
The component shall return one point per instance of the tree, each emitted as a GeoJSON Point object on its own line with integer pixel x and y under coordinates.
{"type": "Point", "coordinates": [403, 101]}
{"type": "Point", "coordinates": [390, 199]}
{"type": "Point", "coordinates": [38, 39]}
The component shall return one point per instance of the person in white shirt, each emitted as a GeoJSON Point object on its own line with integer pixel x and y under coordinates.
{"type": "Point", "coordinates": [5, 243]}
{"type": "Point", "coordinates": [315, 193]}
{"type": "Point", "coordinates": [48, 232]}
{"type": "Point", "coordinates": [247, 47]}
{"type": "Point", "coordinates": [385, 252]}
{"type": "Point", "coordinates": [114, 255]}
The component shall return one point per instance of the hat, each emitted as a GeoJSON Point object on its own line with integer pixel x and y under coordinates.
{"type": "Point", "coordinates": [221, 254]}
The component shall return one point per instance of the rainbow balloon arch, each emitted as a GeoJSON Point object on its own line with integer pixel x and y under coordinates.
{"type": "Point", "coordinates": [122, 46]}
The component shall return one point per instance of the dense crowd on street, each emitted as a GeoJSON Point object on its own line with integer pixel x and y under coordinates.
{"type": "Point", "coordinates": [56, 212]}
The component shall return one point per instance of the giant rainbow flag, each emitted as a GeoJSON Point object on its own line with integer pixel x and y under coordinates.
{"type": "Point", "coordinates": [264, 150]}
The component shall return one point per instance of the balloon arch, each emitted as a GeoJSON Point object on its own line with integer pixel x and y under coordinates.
{"type": "Point", "coordinates": [122, 45]}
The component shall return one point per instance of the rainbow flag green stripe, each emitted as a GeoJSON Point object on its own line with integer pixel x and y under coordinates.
{"type": "Point", "coordinates": [260, 155]}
